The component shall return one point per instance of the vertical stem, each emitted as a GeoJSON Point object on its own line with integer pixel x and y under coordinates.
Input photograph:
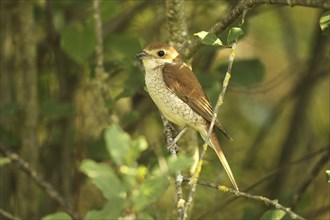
{"type": "Point", "coordinates": [178, 34]}
{"type": "Point", "coordinates": [178, 177]}
{"type": "Point", "coordinates": [195, 177]}
{"type": "Point", "coordinates": [101, 76]}
{"type": "Point", "coordinates": [177, 26]}
{"type": "Point", "coordinates": [27, 96]}
{"type": "Point", "coordinates": [99, 39]}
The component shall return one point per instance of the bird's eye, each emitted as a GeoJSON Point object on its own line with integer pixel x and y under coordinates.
{"type": "Point", "coordinates": [161, 53]}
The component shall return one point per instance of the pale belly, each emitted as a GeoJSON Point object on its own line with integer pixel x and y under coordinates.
{"type": "Point", "coordinates": [171, 106]}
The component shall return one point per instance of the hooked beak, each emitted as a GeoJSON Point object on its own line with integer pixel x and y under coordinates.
{"type": "Point", "coordinates": [141, 54]}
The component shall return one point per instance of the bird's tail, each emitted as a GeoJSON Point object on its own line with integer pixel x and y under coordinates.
{"type": "Point", "coordinates": [216, 146]}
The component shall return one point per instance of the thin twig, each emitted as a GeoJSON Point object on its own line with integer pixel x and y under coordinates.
{"type": "Point", "coordinates": [8, 215]}
{"type": "Point", "coordinates": [172, 147]}
{"type": "Point", "coordinates": [263, 199]}
{"type": "Point", "coordinates": [178, 34]}
{"type": "Point", "coordinates": [177, 137]}
{"type": "Point", "coordinates": [195, 177]}
{"type": "Point", "coordinates": [272, 174]}
{"type": "Point", "coordinates": [312, 176]}
{"type": "Point", "coordinates": [39, 181]}
{"type": "Point", "coordinates": [286, 166]}
{"type": "Point", "coordinates": [238, 10]}
{"type": "Point", "coordinates": [259, 198]}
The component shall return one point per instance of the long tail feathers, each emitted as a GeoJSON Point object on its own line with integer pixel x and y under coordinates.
{"type": "Point", "coordinates": [216, 146]}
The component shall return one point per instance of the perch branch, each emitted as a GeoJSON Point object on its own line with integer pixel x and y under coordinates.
{"type": "Point", "coordinates": [172, 147]}
{"type": "Point", "coordinates": [178, 34]}
{"type": "Point", "coordinates": [8, 215]}
{"type": "Point", "coordinates": [283, 168]}
{"type": "Point", "coordinates": [238, 10]}
{"type": "Point", "coordinates": [39, 181]}
{"type": "Point", "coordinates": [177, 26]}
{"type": "Point", "coordinates": [216, 109]}
{"type": "Point", "coordinates": [259, 198]}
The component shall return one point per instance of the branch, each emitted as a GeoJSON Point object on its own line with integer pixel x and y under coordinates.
{"type": "Point", "coordinates": [99, 70]}
{"type": "Point", "coordinates": [259, 198]}
{"type": "Point", "coordinates": [39, 181]}
{"type": "Point", "coordinates": [172, 147]}
{"type": "Point", "coordinates": [313, 174]}
{"type": "Point", "coordinates": [288, 166]}
{"type": "Point", "coordinates": [271, 174]}
{"type": "Point", "coordinates": [198, 169]}
{"type": "Point", "coordinates": [101, 76]}
{"type": "Point", "coordinates": [177, 26]}
{"type": "Point", "coordinates": [239, 9]}
{"type": "Point", "coordinates": [8, 215]}
{"type": "Point", "coordinates": [178, 34]}
{"type": "Point", "coordinates": [219, 103]}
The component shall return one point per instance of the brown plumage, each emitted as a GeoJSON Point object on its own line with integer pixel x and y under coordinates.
{"type": "Point", "coordinates": [179, 96]}
{"type": "Point", "coordinates": [186, 86]}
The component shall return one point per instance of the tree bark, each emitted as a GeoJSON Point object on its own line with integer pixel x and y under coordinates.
{"type": "Point", "coordinates": [27, 97]}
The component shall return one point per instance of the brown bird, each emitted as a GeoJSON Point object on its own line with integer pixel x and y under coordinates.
{"type": "Point", "coordinates": [179, 96]}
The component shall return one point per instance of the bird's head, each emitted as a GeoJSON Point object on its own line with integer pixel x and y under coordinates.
{"type": "Point", "coordinates": [157, 55]}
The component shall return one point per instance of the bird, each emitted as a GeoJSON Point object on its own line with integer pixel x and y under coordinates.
{"type": "Point", "coordinates": [179, 96]}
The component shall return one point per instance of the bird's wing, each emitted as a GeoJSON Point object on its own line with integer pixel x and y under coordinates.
{"type": "Point", "coordinates": [182, 81]}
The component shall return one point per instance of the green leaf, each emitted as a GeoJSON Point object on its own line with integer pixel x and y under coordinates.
{"type": "Point", "coordinates": [234, 33]}
{"type": "Point", "coordinates": [245, 72]}
{"type": "Point", "coordinates": [156, 184]}
{"type": "Point", "coordinates": [209, 38]}
{"type": "Point", "coordinates": [275, 214]}
{"type": "Point", "coordinates": [327, 173]}
{"type": "Point", "coordinates": [57, 216]}
{"type": "Point", "coordinates": [4, 161]}
{"type": "Point", "coordinates": [121, 148]}
{"type": "Point", "coordinates": [117, 143]}
{"type": "Point", "coordinates": [78, 41]}
{"type": "Point", "coordinates": [104, 178]}
{"type": "Point", "coordinates": [325, 22]}
{"type": "Point", "coordinates": [149, 191]}
{"type": "Point", "coordinates": [138, 145]}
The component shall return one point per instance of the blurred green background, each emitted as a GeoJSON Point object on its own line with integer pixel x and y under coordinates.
{"type": "Point", "coordinates": [99, 142]}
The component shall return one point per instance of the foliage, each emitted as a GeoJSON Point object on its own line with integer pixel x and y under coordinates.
{"type": "Point", "coordinates": [57, 215]}
{"type": "Point", "coordinates": [209, 38]}
{"type": "Point", "coordinates": [273, 215]}
{"type": "Point", "coordinates": [325, 22]}
{"type": "Point", "coordinates": [131, 186]}
{"type": "Point", "coordinates": [99, 141]}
